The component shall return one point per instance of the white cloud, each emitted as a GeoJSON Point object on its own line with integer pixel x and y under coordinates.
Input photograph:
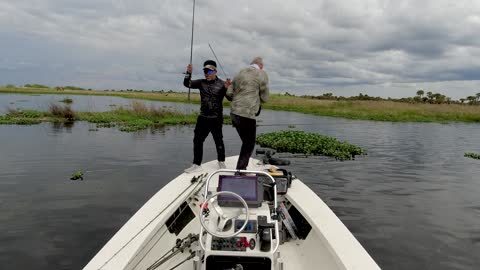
{"type": "Point", "coordinates": [387, 48]}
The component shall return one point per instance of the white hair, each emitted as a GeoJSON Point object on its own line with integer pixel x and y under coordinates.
{"type": "Point", "coordinates": [257, 60]}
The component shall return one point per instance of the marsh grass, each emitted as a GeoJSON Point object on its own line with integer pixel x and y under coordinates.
{"type": "Point", "coordinates": [137, 116]}
{"type": "Point", "coordinates": [378, 110]}
{"type": "Point", "coordinates": [356, 109]}
{"type": "Point", "coordinates": [62, 111]}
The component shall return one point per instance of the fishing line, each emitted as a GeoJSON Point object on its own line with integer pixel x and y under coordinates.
{"type": "Point", "coordinates": [218, 61]}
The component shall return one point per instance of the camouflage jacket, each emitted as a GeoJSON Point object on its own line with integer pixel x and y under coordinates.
{"type": "Point", "coordinates": [248, 89]}
{"type": "Point", "coordinates": [211, 95]}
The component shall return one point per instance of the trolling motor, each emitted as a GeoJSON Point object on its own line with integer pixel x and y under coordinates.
{"type": "Point", "coordinates": [268, 159]}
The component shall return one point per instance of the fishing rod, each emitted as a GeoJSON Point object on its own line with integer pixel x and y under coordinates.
{"type": "Point", "coordinates": [191, 45]}
{"type": "Point", "coordinates": [218, 61]}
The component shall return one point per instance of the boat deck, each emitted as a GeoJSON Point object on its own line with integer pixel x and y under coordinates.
{"type": "Point", "coordinates": [145, 238]}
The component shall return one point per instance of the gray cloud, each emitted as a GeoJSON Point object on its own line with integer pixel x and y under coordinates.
{"type": "Point", "coordinates": [386, 48]}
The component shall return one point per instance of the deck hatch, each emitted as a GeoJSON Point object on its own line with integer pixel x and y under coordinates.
{"type": "Point", "coordinates": [302, 224]}
{"type": "Point", "coordinates": [178, 220]}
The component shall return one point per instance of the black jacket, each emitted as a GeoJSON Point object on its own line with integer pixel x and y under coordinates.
{"type": "Point", "coordinates": [211, 95]}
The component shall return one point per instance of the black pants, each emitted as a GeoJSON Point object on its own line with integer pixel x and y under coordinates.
{"type": "Point", "coordinates": [203, 127]}
{"type": "Point", "coordinates": [247, 129]}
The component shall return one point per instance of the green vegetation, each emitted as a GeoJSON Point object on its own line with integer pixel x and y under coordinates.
{"type": "Point", "coordinates": [472, 155]}
{"type": "Point", "coordinates": [69, 87]}
{"type": "Point", "coordinates": [377, 110]}
{"type": "Point", "coordinates": [137, 118]}
{"type": "Point", "coordinates": [77, 175]}
{"type": "Point", "coordinates": [421, 97]}
{"type": "Point", "coordinates": [35, 86]}
{"type": "Point", "coordinates": [309, 143]}
{"type": "Point", "coordinates": [26, 117]}
{"type": "Point", "coordinates": [361, 107]}
{"type": "Point", "coordinates": [67, 100]}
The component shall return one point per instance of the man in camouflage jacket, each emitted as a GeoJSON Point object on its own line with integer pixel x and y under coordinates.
{"type": "Point", "coordinates": [247, 91]}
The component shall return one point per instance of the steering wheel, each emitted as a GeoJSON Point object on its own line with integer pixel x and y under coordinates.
{"type": "Point", "coordinates": [224, 218]}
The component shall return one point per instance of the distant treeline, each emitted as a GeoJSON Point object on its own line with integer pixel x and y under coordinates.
{"type": "Point", "coordinates": [421, 97]}
{"type": "Point", "coordinates": [69, 87]}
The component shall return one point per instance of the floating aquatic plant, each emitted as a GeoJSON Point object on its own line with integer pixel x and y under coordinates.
{"type": "Point", "coordinates": [21, 117]}
{"type": "Point", "coordinates": [67, 100]}
{"type": "Point", "coordinates": [77, 175]}
{"type": "Point", "coordinates": [309, 143]}
{"type": "Point", "coordinates": [472, 155]}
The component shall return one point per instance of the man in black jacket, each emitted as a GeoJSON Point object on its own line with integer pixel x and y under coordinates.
{"type": "Point", "coordinates": [212, 91]}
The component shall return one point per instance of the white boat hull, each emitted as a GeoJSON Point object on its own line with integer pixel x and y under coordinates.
{"type": "Point", "coordinates": [145, 237]}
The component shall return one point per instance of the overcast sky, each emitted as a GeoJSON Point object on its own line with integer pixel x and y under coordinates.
{"type": "Point", "coordinates": [381, 48]}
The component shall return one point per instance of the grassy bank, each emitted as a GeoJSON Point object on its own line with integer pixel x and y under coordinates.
{"type": "Point", "coordinates": [362, 110]}
{"type": "Point", "coordinates": [378, 110]}
{"type": "Point", "coordinates": [155, 96]}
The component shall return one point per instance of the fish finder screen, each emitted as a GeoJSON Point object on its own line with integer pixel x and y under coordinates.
{"type": "Point", "coordinates": [245, 186]}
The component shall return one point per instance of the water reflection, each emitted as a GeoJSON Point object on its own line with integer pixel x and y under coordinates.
{"type": "Point", "coordinates": [61, 127]}
{"type": "Point", "coordinates": [81, 103]}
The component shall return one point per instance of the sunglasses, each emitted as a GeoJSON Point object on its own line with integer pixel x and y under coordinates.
{"type": "Point", "coordinates": [208, 71]}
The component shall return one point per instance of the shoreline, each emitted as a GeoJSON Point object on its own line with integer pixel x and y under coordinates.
{"type": "Point", "coordinates": [383, 110]}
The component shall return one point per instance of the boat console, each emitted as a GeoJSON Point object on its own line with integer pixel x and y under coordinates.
{"type": "Point", "coordinates": [248, 187]}
{"type": "Point", "coordinates": [238, 225]}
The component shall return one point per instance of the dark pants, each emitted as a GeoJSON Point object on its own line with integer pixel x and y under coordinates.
{"type": "Point", "coordinates": [203, 127]}
{"type": "Point", "coordinates": [247, 129]}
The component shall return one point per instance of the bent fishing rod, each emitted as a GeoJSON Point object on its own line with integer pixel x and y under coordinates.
{"type": "Point", "coordinates": [218, 61]}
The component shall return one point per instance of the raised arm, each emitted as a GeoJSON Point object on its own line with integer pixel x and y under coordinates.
{"type": "Point", "coordinates": [188, 82]}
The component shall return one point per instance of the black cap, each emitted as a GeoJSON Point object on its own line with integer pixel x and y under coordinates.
{"type": "Point", "coordinates": [210, 64]}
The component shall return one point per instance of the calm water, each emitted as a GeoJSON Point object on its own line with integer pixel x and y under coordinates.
{"type": "Point", "coordinates": [80, 103]}
{"type": "Point", "coordinates": [412, 202]}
